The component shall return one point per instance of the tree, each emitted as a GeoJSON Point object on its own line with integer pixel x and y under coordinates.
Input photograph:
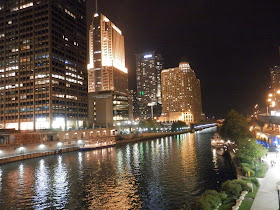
{"type": "Point", "coordinates": [249, 151]}
{"type": "Point", "coordinates": [178, 125]}
{"type": "Point", "coordinates": [235, 127]}
{"type": "Point", "coordinates": [150, 124]}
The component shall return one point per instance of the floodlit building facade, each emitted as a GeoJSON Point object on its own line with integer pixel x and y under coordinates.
{"type": "Point", "coordinates": [43, 75]}
{"type": "Point", "coordinates": [107, 74]}
{"type": "Point", "coordinates": [148, 85]}
{"type": "Point", "coordinates": [181, 95]}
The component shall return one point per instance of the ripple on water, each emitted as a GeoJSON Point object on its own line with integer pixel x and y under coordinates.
{"type": "Point", "coordinates": [163, 173]}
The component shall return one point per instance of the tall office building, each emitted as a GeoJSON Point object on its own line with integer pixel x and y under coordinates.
{"type": "Point", "coordinates": [108, 80]}
{"type": "Point", "coordinates": [274, 91]}
{"type": "Point", "coordinates": [148, 81]}
{"type": "Point", "coordinates": [181, 95]}
{"type": "Point", "coordinates": [43, 75]}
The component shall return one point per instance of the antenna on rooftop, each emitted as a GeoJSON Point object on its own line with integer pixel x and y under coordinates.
{"type": "Point", "coordinates": [96, 6]}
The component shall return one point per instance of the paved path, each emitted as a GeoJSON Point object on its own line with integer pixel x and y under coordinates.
{"type": "Point", "coordinates": [267, 198]}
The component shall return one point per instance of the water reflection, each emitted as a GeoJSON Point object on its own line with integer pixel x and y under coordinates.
{"type": "Point", "coordinates": [0, 179]}
{"type": "Point", "coordinates": [42, 186]}
{"type": "Point", "coordinates": [158, 174]}
{"type": "Point", "coordinates": [60, 185]}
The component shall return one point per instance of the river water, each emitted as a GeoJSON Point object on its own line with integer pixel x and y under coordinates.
{"type": "Point", "coordinates": [164, 173]}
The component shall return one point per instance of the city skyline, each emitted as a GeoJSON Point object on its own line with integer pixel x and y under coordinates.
{"type": "Point", "coordinates": [230, 44]}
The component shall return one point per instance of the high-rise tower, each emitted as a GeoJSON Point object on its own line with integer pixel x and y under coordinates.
{"type": "Point", "coordinates": [274, 92]}
{"type": "Point", "coordinates": [108, 81]}
{"type": "Point", "coordinates": [43, 75]}
{"type": "Point", "coordinates": [148, 81]}
{"type": "Point", "coordinates": [181, 95]}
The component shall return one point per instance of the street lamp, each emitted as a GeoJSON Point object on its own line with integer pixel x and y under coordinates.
{"type": "Point", "coordinates": [278, 191]}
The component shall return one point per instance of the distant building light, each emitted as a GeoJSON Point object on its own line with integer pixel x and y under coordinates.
{"type": "Point", "coordinates": [148, 56]}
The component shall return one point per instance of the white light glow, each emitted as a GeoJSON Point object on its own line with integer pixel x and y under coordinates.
{"type": "Point", "coordinates": [148, 56]}
{"type": "Point", "coordinates": [58, 122]}
{"type": "Point", "coordinates": [42, 146]}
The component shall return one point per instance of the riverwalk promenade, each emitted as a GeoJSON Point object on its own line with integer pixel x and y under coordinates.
{"type": "Point", "coordinates": [267, 198]}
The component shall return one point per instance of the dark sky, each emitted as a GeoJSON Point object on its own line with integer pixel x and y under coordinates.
{"type": "Point", "coordinates": [230, 44]}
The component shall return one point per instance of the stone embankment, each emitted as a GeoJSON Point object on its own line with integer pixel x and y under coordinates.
{"type": "Point", "coordinates": [9, 159]}
{"type": "Point", "coordinates": [16, 152]}
{"type": "Point", "coordinates": [145, 136]}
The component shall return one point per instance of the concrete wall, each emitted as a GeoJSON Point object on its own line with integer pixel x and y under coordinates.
{"type": "Point", "coordinates": [85, 134]}
{"type": "Point", "coordinates": [14, 150]}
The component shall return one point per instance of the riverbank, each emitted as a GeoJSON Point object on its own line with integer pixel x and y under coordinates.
{"type": "Point", "coordinates": [14, 153]}
{"type": "Point", "coordinates": [35, 155]}
{"type": "Point", "coordinates": [234, 162]}
{"type": "Point", "coordinates": [146, 136]}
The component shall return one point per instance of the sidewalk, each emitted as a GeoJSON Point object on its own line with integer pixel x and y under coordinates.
{"type": "Point", "coordinates": [267, 198]}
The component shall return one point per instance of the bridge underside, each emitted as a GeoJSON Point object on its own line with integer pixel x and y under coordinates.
{"type": "Point", "coordinates": [269, 119]}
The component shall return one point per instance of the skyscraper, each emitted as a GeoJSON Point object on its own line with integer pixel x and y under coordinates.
{"type": "Point", "coordinates": [43, 75]}
{"type": "Point", "coordinates": [181, 95]}
{"type": "Point", "coordinates": [274, 92]}
{"type": "Point", "coordinates": [108, 81]}
{"type": "Point", "coordinates": [148, 81]}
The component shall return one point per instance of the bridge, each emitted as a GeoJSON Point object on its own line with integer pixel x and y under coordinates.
{"type": "Point", "coordinates": [269, 119]}
{"type": "Point", "coordinates": [200, 126]}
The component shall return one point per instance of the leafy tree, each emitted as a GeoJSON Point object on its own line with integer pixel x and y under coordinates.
{"type": "Point", "coordinates": [150, 124]}
{"type": "Point", "coordinates": [178, 125]}
{"type": "Point", "coordinates": [235, 127]}
{"type": "Point", "coordinates": [249, 151]}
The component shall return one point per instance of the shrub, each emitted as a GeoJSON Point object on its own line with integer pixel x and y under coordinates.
{"type": "Point", "coordinates": [247, 165]}
{"type": "Point", "coordinates": [252, 180]}
{"type": "Point", "coordinates": [246, 169]}
{"type": "Point", "coordinates": [202, 204]}
{"type": "Point", "coordinates": [232, 189]}
{"type": "Point", "coordinates": [261, 170]}
{"type": "Point", "coordinates": [223, 196]}
{"type": "Point", "coordinates": [243, 184]}
{"type": "Point", "coordinates": [255, 182]}
{"type": "Point", "coordinates": [210, 199]}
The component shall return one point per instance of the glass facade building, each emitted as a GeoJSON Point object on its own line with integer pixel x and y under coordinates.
{"type": "Point", "coordinates": [43, 75]}
{"type": "Point", "coordinates": [148, 85]}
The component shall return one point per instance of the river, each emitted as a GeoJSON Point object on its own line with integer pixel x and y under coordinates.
{"type": "Point", "coordinates": [165, 173]}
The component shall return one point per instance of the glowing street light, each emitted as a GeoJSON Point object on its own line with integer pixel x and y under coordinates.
{"type": "Point", "coordinates": [42, 146]}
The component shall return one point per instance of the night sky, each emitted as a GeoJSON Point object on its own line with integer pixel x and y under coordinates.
{"type": "Point", "coordinates": [230, 44]}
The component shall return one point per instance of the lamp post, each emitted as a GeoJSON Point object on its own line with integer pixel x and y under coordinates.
{"type": "Point", "coordinates": [278, 191]}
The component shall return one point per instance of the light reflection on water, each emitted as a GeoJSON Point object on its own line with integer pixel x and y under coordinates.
{"type": "Point", "coordinates": [163, 173]}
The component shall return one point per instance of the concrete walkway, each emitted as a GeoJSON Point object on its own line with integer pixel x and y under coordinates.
{"type": "Point", "coordinates": [267, 198]}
